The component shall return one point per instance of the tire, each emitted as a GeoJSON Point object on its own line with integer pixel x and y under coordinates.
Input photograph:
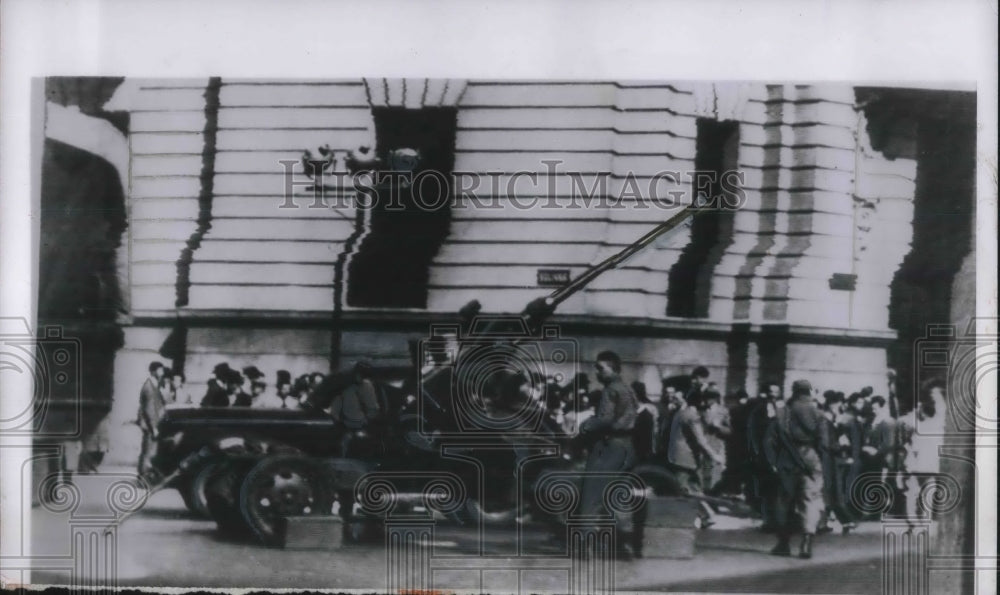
{"type": "Point", "coordinates": [222, 492]}
{"type": "Point", "coordinates": [278, 487]}
{"type": "Point", "coordinates": [662, 481]}
{"type": "Point", "coordinates": [193, 489]}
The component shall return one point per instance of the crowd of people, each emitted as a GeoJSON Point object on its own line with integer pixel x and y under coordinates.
{"type": "Point", "coordinates": [794, 459]}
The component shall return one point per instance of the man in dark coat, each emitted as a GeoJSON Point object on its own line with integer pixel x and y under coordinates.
{"type": "Point", "coordinates": [794, 445]}
{"type": "Point", "coordinates": [609, 432]}
{"type": "Point", "coordinates": [237, 396]}
{"type": "Point", "coordinates": [736, 477]}
{"type": "Point", "coordinates": [151, 406]}
{"type": "Point", "coordinates": [836, 458]}
{"type": "Point", "coordinates": [763, 482]}
{"type": "Point", "coordinates": [217, 394]}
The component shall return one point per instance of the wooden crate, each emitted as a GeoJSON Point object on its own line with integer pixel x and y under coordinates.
{"type": "Point", "coordinates": [669, 530]}
{"type": "Point", "coordinates": [668, 542]}
{"type": "Point", "coordinates": [313, 533]}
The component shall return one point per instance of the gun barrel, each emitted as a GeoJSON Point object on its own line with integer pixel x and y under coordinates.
{"type": "Point", "coordinates": [672, 224]}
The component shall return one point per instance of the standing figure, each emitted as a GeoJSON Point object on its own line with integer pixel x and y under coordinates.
{"type": "Point", "coordinates": [644, 438]}
{"type": "Point", "coordinates": [715, 422]}
{"type": "Point", "coordinates": [357, 411]}
{"type": "Point", "coordinates": [764, 482]}
{"type": "Point", "coordinates": [922, 460]}
{"type": "Point", "coordinates": [689, 447]}
{"type": "Point", "coordinates": [794, 443]}
{"type": "Point", "coordinates": [237, 397]}
{"type": "Point", "coordinates": [736, 477]}
{"type": "Point", "coordinates": [167, 387]}
{"type": "Point", "coordinates": [885, 446]}
{"type": "Point", "coordinates": [93, 448]}
{"type": "Point", "coordinates": [837, 458]}
{"type": "Point", "coordinates": [182, 396]}
{"type": "Point", "coordinates": [151, 406]}
{"type": "Point", "coordinates": [609, 432]}
{"type": "Point", "coordinates": [217, 394]}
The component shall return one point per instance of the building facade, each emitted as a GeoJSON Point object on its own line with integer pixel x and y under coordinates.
{"type": "Point", "coordinates": [227, 256]}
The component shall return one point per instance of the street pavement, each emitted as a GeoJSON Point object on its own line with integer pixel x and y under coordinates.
{"type": "Point", "coordinates": [164, 545]}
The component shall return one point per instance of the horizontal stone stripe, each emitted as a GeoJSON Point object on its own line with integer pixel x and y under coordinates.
{"type": "Point", "coordinates": [168, 121]}
{"type": "Point", "coordinates": [280, 250]}
{"type": "Point", "coordinates": [159, 143]}
{"type": "Point", "coordinates": [235, 94]}
{"type": "Point", "coordinates": [294, 141]}
{"type": "Point", "coordinates": [171, 99]}
{"type": "Point", "coordinates": [778, 134]}
{"type": "Point", "coordinates": [260, 298]}
{"type": "Point", "coordinates": [294, 117]}
{"type": "Point", "coordinates": [169, 187]}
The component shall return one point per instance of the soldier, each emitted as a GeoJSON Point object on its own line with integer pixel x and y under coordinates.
{"type": "Point", "coordinates": [609, 431]}
{"type": "Point", "coordinates": [794, 442]}
{"type": "Point", "coordinates": [151, 406]}
{"type": "Point", "coordinates": [357, 410]}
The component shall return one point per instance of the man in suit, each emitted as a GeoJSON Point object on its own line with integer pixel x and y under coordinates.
{"type": "Point", "coordinates": [688, 447]}
{"type": "Point", "coordinates": [237, 396]}
{"type": "Point", "coordinates": [151, 406]}
{"type": "Point", "coordinates": [609, 432]}
{"type": "Point", "coordinates": [217, 394]}
{"type": "Point", "coordinates": [794, 444]}
{"type": "Point", "coordinates": [836, 462]}
{"type": "Point", "coordinates": [764, 483]}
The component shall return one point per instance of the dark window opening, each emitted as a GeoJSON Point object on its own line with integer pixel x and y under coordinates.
{"type": "Point", "coordinates": [689, 289]}
{"type": "Point", "coordinates": [403, 232]}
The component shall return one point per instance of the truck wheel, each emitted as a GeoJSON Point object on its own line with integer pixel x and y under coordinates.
{"type": "Point", "coordinates": [193, 490]}
{"type": "Point", "coordinates": [222, 490]}
{"type": "Point", "coordinates": [279, 487]}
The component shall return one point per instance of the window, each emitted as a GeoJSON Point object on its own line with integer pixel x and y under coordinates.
{"type": "Point", "coordinates": [400, 236]}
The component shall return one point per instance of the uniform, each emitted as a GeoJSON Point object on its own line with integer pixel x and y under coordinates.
{"type": "Point", "coordinates": [356, 408]}
{"type": "Point", "coordinates": [794, 442]}
{"type": "Point", "coordinates": [611, 452]}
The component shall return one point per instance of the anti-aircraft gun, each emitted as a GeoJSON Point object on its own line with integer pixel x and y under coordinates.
{"type": "Point", "coordinates": [252, 469]}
